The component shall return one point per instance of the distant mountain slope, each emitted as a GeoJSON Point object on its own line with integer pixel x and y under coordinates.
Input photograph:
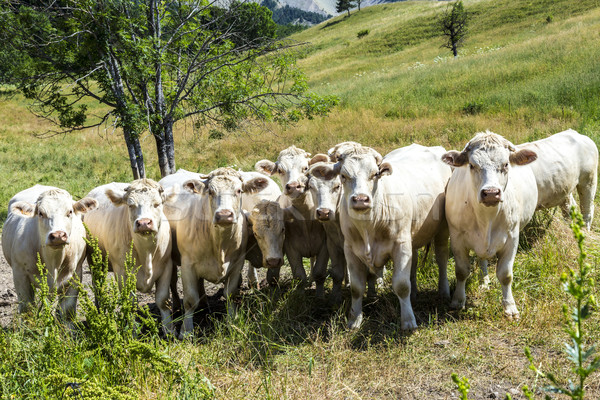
{"type": "Point", "coordinates": [284, 14]}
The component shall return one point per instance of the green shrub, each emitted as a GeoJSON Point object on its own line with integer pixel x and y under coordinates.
{"type": "Point", "coordinates": [362, 33]}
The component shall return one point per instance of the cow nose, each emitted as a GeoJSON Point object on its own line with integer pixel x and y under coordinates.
{"type": "Point", "coordinates": [292, 187]}
{"type": "Point", "coordinates": [274, 262]}
{"type": "Point", "coordinates": [361, 201]}
{"type": "Point", "coordinates": [224, 217]}
{"type": "Point", "coordinates": [323, 213]}
{"type": "Point", "coordinates": [490, 196]}
{"type": "Point", "coordinates": [57, 238]}
{"type": "Point", "coordinates": [144, 225]}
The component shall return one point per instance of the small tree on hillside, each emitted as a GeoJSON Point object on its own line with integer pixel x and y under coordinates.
{"type": "Point", "coordinates": [453, 23]}
{"type": "Point", "coordinates": [344, 5]}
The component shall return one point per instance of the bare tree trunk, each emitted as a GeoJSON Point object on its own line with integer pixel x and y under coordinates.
{"type": "Point", "coordinates": [170, 144]}
{"type": "Point", "coordinates": [136, 158]}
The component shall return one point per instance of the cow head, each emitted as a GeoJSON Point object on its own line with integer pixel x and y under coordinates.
{"type": "Point", "coordinates": [144, 199]}
{"type": "Point", "coordinates": [224, 187]}
{"type": "Point", "coordinates": [489, 158]}
{"type": "Point", "coordinates": [291, 166]}
{"type": "Point", "coordinates": [55, 211]}
{"type": "Point", "coordinates": [325, 186]}
{"type": "Point", "coordinates": [267, 220]}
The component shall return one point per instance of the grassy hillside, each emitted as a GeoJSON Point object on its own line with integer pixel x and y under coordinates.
{"type": "Point", "coordinates": [528, 69]}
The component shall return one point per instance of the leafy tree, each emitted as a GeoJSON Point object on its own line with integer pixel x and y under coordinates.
{"type": "Point", "coordinates": [151, 63]}
{"type": "Point", "coordinates": [453, 24]}
{"type": "Point", "coordinates": [344, 5]}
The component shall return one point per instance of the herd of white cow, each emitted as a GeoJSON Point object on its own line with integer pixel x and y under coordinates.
{"type": "Point", "coordinates": [352, 207]}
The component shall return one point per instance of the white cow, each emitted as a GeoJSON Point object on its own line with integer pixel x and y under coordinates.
{"type": "Point", "coordinates": [133, 212]}
{"type": "Point", "coordinates": [267, 229]}
{"type": "Point", "coordinates": [567, 161]}
{"type": "Point", "coordinates": [211, 232]}
{"type": "Point", "coordinates": [389, 209]}
{"type": "Point", "coordinates": [45, 220]}
{"type": "Point", "coordinates": [304, 236]}
{"type": "Point", "coordinates": [491, 196]}
{"type": "Point", "coordinates": [326, 188]}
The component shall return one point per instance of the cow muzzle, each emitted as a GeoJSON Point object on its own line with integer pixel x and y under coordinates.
{"type": "Point", "coordinates": [57, 239]}
{"type": "Point", "coordinates": [490, 197]}
{"type": "Point", "coordinates": [144, 226]}
{"type": "Point", "coordinates": [324, 214]}
{"type": "Point", "coordinates": [293, 189]}
{"type": "Point", "coordinates": [224, 217]}
{"type": "Point", "coordinates": [273, 262]}
{"type": "Point", "coordinates": [361, 202]}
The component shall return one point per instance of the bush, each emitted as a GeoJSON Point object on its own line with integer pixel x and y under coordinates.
{"type": "Point", "coordinates": [472, 108]}
{"type": "Point", "coordinates": [362, 33]}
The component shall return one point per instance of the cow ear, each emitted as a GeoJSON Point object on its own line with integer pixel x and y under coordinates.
{"type": "Point", "coordinates": [318, 158]}
{"type": "Point", "coordinates": [23, 208]}
{"type": "Point", "coordinates": [455, 158]}
{"type": "Point", "coordinates": [255, 185]}
{"type": "Point", "coordinates": [385, 169]}
{"type": "Point", "coordinates": [266, 167]}
{"type": "Point", "coordinates": [522, 157]}
{"type": "Point", "coordinates": [117, 198]}
{"type": "Point", "coordinates": [194, 186]}
{"type": "Point", "coordinates": [325, 172]}
{"type": "Point", "coordinates": [84, 205]}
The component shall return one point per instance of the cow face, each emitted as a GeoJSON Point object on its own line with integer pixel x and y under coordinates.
{"type": "Point", "coordinates": [291, 166]}
{"type": "Point", "coordinates": [489, 158]}
{"type": "Point", "coordinates": [55, 212]}
{"type": "Point", "coordinates": [326, 187]}
{"type": "Point", "coordinates": [359, 172]}
{"type": "Point", "coordinates": [144, 199]}
{"type": "Point", "coordinates": [224, 188]}
{"type": "Point", "coordinates": [269, 230]}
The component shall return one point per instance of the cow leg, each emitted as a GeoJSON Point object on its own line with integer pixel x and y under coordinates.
{"type": "Point", "coordinates": [191, 298]}
{"type": "Point", "coordinates": [440, 246]}
{"type": "Point", "coordinates": [484, 276]}
{"type": "Point", "coordinates": [413, 275]}
{"type": "Point", "coordinates": [462, 269]}
{"type": "Point", "coordinates": [357, 273]}
{"type": "Point", "coordinates": [504, 272]}
{"type": "Point", "coordinates": [319, 271]}
{"type": "Point", "coordinates": [162, 297]}
{"type": "Point", "coordinates": [565, 208]}
{"type": "Point", "coordinates": [252, 277]}
{"type": "Point", "coordinates": [295, 260]}
{"type": "Point", "coordinates": [273, 276]}
{"type": "Point", "coordinates": [23, 287]}
{"type": "Point", "coordinates": [402, 256]}
{"type": "Point", "coordinates": [338, 268]}
{"type": "Point", "coordinates": [587, 191]}
{"type": "Point", "coordinates": [68, 303]}
{"type": "Point", "coordinates": [175, 299]}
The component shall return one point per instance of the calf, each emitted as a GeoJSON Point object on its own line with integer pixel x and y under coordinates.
{"type": "Point", "coordinates": [491, 195]}
{"type": "Point", "coordinates": [133, 212]}
{"type": "Point", "coordinates": [211, 233]}
{"type": "Point", "coordinates": [389, 209]}
{"type": "Point", "coordinates": [305, 237]}
{"type": "Point", "coordinates": [45, 220]}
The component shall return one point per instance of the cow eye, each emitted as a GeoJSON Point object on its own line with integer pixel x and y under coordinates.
{"type": "Point", "coordinates": [69, 213]}
{"type": "Point", "coordinates": [156, 205]}
{"type": "Point", "coordinates": [336, 188]}
{"type": "Point", "coordinates": [211, 192]}
{"type": "Point", "coordinates": [238, 192]}
{"type": "Point", "coordinates": [343, 178]}
{"type": "Point", "coordinates": [40, 214]}
{"type": "Point", "coordinates": [304, 169]}
{"type": "Point", "coordinates": [471, 166]}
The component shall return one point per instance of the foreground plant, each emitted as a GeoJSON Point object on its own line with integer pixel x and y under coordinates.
{"type": "Point", "coordinates": [578, 284]}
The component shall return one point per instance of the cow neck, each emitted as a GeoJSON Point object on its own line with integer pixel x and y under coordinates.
{"type": "Point", "coordinates": [229, 236]}
{"type": "Point", "coordinates": [304, 204]}
{"type": "Point", "coordinates": [54, 259]}
{"type": "Point", "coordinates": [145, 248]}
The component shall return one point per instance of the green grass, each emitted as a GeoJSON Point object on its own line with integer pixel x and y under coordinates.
{"type": "Point", "coordinates": [518, 75]}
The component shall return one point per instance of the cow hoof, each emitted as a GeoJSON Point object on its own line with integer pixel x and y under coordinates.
{"type": "Point", "coordinates": [355, 323]}
{"type": "Point", "coordinates": [512, 317]}
{"type": "Point", "coordinates": [457, 304]}
{"type": "Point", "coordinates": [409, 325]}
